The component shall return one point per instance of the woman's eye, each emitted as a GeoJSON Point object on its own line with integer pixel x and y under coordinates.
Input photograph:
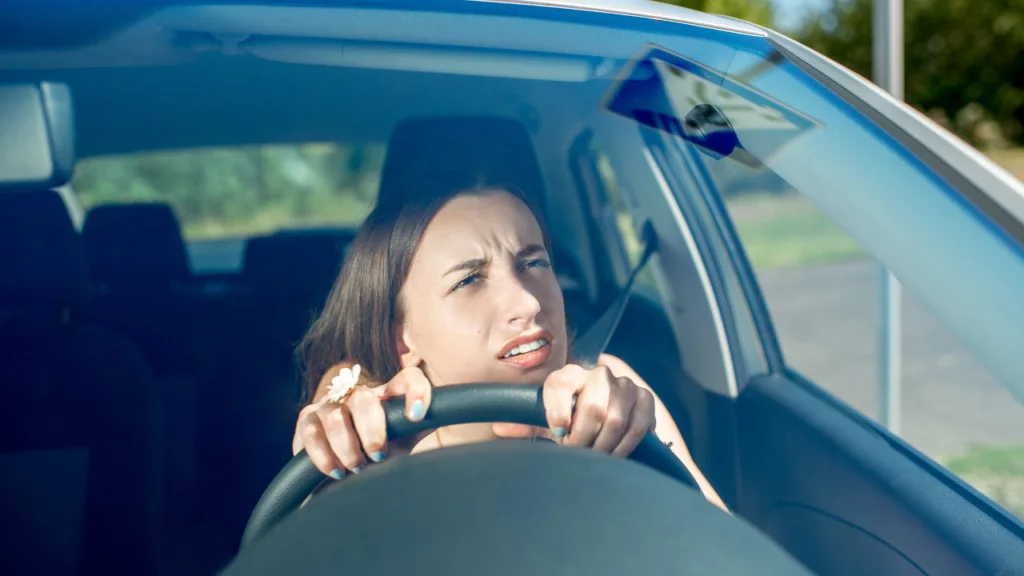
{"type": "Point", "coordinates": [468, 280]}
{"type": "Point", "coordinates": [537, 263]}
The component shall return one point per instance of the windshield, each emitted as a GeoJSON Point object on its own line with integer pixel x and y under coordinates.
{"type": "Point", "coordinates": [295, 126]}
{"type": "Point", "coordinates": [302, 77]}
{"type": "Point", "coordinates": [762, 127]}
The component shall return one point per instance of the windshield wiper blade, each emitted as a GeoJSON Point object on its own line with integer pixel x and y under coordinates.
{"type": "Point", "coordinates": [589, 347]}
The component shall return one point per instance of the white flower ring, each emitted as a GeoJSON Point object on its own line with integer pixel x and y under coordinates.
{"type": "Point", "coordinates": [343, 384]}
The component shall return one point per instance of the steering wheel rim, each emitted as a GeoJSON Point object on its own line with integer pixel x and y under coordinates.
{"type": "Point", "coordinates": [450, 405]}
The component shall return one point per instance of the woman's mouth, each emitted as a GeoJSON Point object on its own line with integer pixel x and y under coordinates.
{"type": "Point", "coordinates": [529, 354]}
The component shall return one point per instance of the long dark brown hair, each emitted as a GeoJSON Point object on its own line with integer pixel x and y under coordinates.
{"type": "Point", "coordinates": [363, 310]}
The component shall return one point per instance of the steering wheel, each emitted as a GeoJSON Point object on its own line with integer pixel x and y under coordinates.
{"type": "Point", "coordinates": [464, 404]}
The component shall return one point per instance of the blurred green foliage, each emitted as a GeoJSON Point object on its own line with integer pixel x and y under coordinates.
{"type": "Point", "coordinates": [964, 60]}
{"type": "Point", "coordinates": [756, 11]}
{"type": "Point", "coordinates": [244, 190]}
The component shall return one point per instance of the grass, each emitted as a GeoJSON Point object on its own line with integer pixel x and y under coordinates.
{"type": "Point", "coordinates": [1012, 159]}
{"type": "Point", "coordinates": [782, 231]}
{"type": "Point", "coordinates": [794, 233]}
{"type": "Point", "coordinates": [996, 471]}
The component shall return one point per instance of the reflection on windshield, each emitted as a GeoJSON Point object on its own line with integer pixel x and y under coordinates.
{"type": "Point", "coordinates": [720, 115]}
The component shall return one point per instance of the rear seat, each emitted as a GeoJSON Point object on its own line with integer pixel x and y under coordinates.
{"type": "Point", "coordinates": [71, 386]}
{"type": "Point", "coordinates": [145, 291]}
{"type": "Point", "coordinates": [286, 278]}
{"type": "Point", "coordinates": [292, 272]}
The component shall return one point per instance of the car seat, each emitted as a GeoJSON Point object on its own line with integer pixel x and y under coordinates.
{"type": "Point", "coordinates": [77, 399]}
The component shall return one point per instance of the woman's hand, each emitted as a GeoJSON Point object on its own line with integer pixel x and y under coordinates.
{"type": "Point", "coordinates": [342, 437]}
{"type": "Point", "coordinates": [611, 415]}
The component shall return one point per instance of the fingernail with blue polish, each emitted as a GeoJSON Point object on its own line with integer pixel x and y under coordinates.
{"type": "Point", "coordinates": [337, 474]}
{"type": "Point", "coordinates": [558, 431]}
{"type": "Point", "coordinates": [416, 410]}
{"type": "Point", "coordinates": [377, 456]}
{"type": "Point", "coordinates": [358, 469]}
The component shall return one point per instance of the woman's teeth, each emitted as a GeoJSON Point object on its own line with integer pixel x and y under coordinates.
{"type": "Point", "coordinates": [528, 347]}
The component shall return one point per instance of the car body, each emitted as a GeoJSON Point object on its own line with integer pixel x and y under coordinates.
{"type": "Point", "coordinates": [612, 113]}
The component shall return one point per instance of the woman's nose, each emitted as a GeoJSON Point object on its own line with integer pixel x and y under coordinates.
{"type": "Point", "coordinates": [521, 304]}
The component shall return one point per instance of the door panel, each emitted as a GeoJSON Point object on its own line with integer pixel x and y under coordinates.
{"type": "Point", "coordinates": [845, 498]}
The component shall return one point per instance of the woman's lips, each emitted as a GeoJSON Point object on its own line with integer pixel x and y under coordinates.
{"type": "Point", "coordinates": [531, 359]}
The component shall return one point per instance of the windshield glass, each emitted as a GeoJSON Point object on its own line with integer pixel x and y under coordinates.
{"type": "Point", "coordinates": [347, 77]}
{"type": "Point", "coordinates": [301, 106]}
{"type": "Point", "coordinates": [761, 126]}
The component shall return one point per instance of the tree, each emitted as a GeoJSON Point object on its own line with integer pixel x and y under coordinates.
{"type": "Point", "coordinates": [756, 11]}
{"type": "Point", "coordinates": [964, 60]}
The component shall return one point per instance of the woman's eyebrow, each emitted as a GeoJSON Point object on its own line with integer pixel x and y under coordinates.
{"type": "Point", "coordinates": [473, 264]}
{"type": "Point", "coordinates": [476, 263]}
{"type": "Point", "coordinates": [530, 250]}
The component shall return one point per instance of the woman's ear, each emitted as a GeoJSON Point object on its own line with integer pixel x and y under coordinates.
{"type": "Point", "coordinates": [407, 355]}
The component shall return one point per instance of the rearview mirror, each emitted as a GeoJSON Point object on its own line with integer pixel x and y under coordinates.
{"type": "Point", "coordinates": [37, 147]}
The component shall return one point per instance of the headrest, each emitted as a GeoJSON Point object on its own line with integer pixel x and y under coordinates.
{"type": "Point", "coordinates": [295, 262]}
{"type": "Point", "coordinates": [37, 148]}
{"type": "Point", "coordinates": [41, 256]}
{"type": "Point", "coordinates": [498, 149]}
{"type": "Point", "coordinates": [135, 246]}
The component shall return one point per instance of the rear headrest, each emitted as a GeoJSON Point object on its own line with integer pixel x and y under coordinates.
{"type": "Point", "coordinates": [41, 256]}
{"type": "Point", "coordinates": [299, 263]}
{"type": "Point", "coordinates": [135, 246]}
{"type": "Point", "coordinates": [499, 149]}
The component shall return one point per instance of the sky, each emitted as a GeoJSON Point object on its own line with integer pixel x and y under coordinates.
{"type": "Point", "coordinates": [788, 12]}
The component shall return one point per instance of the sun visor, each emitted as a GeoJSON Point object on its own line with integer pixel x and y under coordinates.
{"type": "Point", "coordinates": [37, 135]}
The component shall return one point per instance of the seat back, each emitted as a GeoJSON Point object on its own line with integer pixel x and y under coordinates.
{"type": "Point", "coordinates": [139, 267]}
{"type": "Point", "coordinates": [78, 411]}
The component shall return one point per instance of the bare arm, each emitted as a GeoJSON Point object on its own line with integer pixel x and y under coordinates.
{"type": "Point", "coordinates": [666, 428]}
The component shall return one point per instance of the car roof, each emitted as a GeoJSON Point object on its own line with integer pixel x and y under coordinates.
{"type": "Point", "coordinates": [49, 24]}
{"type": "Point", "coordinates": [126, 73]}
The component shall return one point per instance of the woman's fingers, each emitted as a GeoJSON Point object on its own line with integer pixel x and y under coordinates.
{"type": "Point", "coordinates": [314, 442]}
{"type": "Point", "coordinates": [641, 421]}
{"type": "Point", "coordinates": [617, 419]}
{"type": "Point", "coordinates": [610, 414]}
{"type": "Point", "coordinates": [368, 419]}
{"type": "Point", "coordinates": [559, 390]}
{"type": "Point", "coordinates": [591, 407]}
{"type": "Point", "coordinates": [412, 383]}
{"type": "Point", "coordinates": [342, 437]}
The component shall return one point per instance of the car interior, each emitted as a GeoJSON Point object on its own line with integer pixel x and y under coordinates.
{"type": "Point", "coordinates": [202, 350]}
{"type": "Point", "coordinates": [164, 390]}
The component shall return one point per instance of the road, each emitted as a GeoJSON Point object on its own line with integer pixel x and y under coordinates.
{"type": "Point", "coordinates": [827, 320]}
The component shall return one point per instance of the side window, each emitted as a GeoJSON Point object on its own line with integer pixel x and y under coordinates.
{"type": "Point", "coordinates": [623, 217]}
{"type": "Point", "coordinates": [821, 289]}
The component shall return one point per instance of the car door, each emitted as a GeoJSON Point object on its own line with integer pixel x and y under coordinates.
{"type": "Point", "coordinates": [837, 489]}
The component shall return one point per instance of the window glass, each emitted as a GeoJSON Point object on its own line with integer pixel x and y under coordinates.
{"type": "Point", "coordinates": [821, 289]}
{"type": "Point", "coordinates": [819, 195]}
{"type": "Point", "coordinates": [623, 215]}
{"type": "Point", "coordinates": [232, 193]}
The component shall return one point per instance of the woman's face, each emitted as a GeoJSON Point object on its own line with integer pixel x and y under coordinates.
{"type": "Point", "coordinates": [481, 302]}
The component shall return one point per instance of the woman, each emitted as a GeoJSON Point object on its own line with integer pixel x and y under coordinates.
{"type": "Point", "coordinates": [454, 285]}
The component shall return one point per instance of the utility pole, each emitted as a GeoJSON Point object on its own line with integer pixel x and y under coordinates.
{"type": "Point", "coordinates": [887, 40]}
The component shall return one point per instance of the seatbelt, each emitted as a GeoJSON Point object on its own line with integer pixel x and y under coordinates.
{"type": "Point", "coordinates": [589, 347]}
